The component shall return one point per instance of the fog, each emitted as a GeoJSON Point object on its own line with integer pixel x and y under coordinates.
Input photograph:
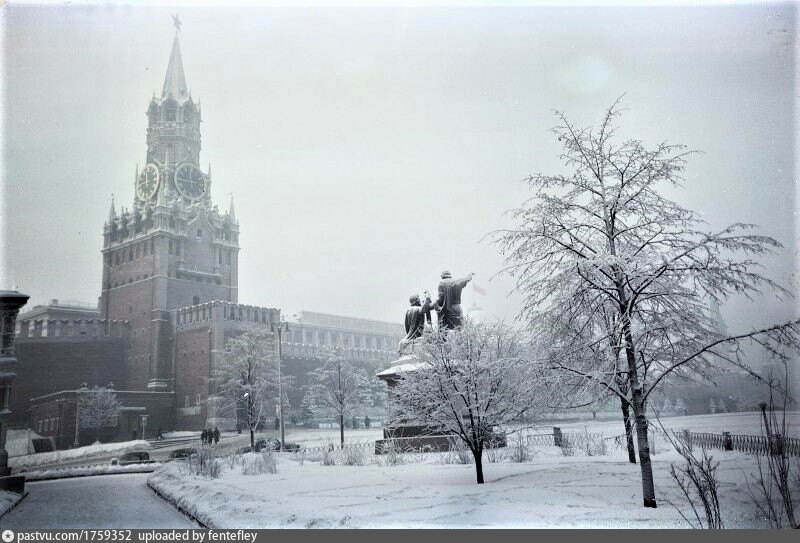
{"type": "Point", "coordinates": [368, 149]}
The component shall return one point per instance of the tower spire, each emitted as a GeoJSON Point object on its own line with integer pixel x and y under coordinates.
{"type": "Point", "coordinates": [231, 211]}
{"type": "Point", "coordinates": [112, 214]}
{"type": "Point", "coordinates": [175, 81]}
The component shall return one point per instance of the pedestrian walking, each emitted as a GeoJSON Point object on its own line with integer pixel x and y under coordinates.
{"type": "Point", "coordinates": [204, 436]}
{"type": "Point", "coordinates": [216, 435]}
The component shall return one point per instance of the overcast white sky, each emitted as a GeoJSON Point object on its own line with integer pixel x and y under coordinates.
{"type": "Point", "coordinates": [369, 148]}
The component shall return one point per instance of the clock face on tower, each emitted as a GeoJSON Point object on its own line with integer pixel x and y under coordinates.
{"type": "Point", "coordinates": [190, 181]}
{"type": "Point", "coordinates": [147, 184]}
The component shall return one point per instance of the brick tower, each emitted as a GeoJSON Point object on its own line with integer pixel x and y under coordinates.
{"type": "Point", "coordinates": [172, 248]}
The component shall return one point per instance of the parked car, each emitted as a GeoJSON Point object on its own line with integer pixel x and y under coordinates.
{"type": "Point", "coordinates": [269, 444]}
{"type": "Point", "coordinates": [126, 459]}
{"type": "Point", "coordinates": [182, 454]}
{"type": "Point", "coordinates": [274, 444]}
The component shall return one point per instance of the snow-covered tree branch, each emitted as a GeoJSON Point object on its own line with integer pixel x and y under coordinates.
{"type": "Point", "coordinates": [247, 377]}
{"type": "Point", "coordinates": [616, 277]}
{"type": "Point", "coordinates": [338, 387]}
{"type": "Point", "coordinates": [470, 381]}
{"type": "Point", "coordinates": [98, 408]}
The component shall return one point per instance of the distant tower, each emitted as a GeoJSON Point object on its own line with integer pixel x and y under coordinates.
{"type": "Point", "coordinates": [715, 315]}
{"type": "Point", "coordinates": [173, 248]}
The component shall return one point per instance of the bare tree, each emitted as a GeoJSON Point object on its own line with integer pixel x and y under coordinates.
{"type": "Point", "coordinates": [246, 377]}
{"type": "Point", "coordinates": [777, 482]}
{"type": "Point", "coordinates": [697, 480]}
{"type": "Point", "coordinates": [337, 386]}
{"type": "Point", "coordinates": [99, 408]}
{"type": "Point", "coordinates": [603, 245]}
{"type": "Point", "coordinates": [468, 382]}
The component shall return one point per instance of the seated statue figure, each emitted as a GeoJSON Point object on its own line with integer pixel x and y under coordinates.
{"type": "Point", "coordinates": [416, 316]}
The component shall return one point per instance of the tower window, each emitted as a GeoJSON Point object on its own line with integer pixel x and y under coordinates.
{"type": "Point", "coordinates": [196, 300]}
{"type": "Point", "coordinates": [170, 246]}
{"type": "Point", "coordinates": [228, 257]}
{"type": "Point", "coordinates": [137, 251]}
{"type": "Point", "coordinates": [116, 258]}
{"type": "Point", "coordinates": [220, 256]}
{"type": "Point", "coordinates": [199, 233]}
{"type": "Point", "coordinates": [130, 254]}
{"type": "Point", "coordinates": [171, 114]}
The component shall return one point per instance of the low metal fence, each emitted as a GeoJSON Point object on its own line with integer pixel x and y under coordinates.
{"type": "Point", "coordinates": [760, 445]}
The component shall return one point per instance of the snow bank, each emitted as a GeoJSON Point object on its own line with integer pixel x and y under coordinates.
{"type": "Point", "coordinates": [8, 500]}
{"type": "Point", "coordinates": [86, 471]}
{"type": "Point", "coordinates": [551, 491]}
{"type": "Point", "coordinates": [98, 449]}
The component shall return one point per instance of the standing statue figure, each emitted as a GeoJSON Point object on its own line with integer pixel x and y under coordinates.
{"type": "Point", "coordinates": [448, 305]}
{"type": "Point", "coordinates": [416, 315]}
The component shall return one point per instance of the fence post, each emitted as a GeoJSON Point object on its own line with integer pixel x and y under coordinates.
{"type": "Point", "coordinates": [776, 444]}
{"type": "Point", "coordinates": [727, 441]}
{"type": "Point", "coordinates": [687, 438]}
{"type": "Point", "coordinates": [557, 436]}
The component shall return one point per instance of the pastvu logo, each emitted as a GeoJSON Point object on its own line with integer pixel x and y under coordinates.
{"type": "Point", "coordinates": [8, 536]}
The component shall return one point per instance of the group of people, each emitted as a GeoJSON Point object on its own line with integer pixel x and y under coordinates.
{"type": "Point", "coordinates": [210, 437]}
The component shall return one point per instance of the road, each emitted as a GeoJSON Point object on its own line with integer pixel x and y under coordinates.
{"type": "Point", "coordinates": [111, 501]}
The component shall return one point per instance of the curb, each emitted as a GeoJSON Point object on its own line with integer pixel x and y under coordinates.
{"type": "Point", "coordinates": [56, 477]}
{"type": "Point", "coordinates": [180, 509]}
{"type": "Point", "coordinates": [19, 501]}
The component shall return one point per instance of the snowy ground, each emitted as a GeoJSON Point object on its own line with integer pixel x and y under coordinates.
{"type": "Point", "coordinates": [551, 490]}
{"type": "Point", "coordinates": [8, 500]}
{"type": "Point", "coordinates": [736, 423]}
{"type": "Point", "coordinates": [98, 449]}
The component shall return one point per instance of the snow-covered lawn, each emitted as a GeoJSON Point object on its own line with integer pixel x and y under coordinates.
{"type": "Point", "coordinates": [85, 471]}
{"type": "Point", "coordinates": [8, 500]}
{"type": "Point", "coordinates": [736, 423]}
{"type": "Point", "coordinates": [549, 491]}
{"type": "Point", "coordinates": [98, 449]}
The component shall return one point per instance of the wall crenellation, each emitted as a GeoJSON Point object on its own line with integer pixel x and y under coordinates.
{"type": "Point", "coordinates": [218, 310]}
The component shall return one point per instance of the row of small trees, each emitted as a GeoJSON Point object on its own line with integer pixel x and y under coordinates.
{"type": "Point", "coordinates": [247, 383]}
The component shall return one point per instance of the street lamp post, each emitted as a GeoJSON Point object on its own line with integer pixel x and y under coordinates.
{"type": "Point", "coordinates": [78, 392]}
{"type": "Point", "coordinates": [279, 327]}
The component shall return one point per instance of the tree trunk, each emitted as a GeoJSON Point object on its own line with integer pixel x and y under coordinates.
{"type": "Point", "coordinates": [648, 487]}
{"type": "Point", "coordinates": [478, 465]}
{"type": "Point", "coordinates": [252, 440]}
{"type": "Point", "coordinates": [626, 419]}
{"type": "Point", "coordinates": [341, 429]}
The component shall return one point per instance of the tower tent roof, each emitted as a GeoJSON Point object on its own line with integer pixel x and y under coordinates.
{"type": "Point", "coordinates": [175, 81]}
